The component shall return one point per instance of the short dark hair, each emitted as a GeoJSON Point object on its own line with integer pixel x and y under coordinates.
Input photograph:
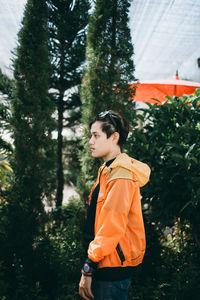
{"type": "Point", "coordinates": [113, 122]}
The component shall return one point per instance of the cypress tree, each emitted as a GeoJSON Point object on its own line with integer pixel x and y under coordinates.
{"type": "Point", "coordinates": [67, 23]}
{"type": "Point", "coordinates": [33, 162]}
{"type": "Point", "coordinates": [108, 74]}
{"type": "Point", "coordinates": [6, 88]}
{"type": "Point", "coordinates": [32, 106]}
{"type": "Point", "coordinates": [6, 85]}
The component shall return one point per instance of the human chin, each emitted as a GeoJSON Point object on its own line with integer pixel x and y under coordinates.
{"type": "Point", "coordinates": [96, 154]}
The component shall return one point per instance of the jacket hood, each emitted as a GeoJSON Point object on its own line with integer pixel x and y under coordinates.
{"type": "Point", "coordinates": [140, 169]}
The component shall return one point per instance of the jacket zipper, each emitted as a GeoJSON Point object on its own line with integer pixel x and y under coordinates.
{"type": "Point", "coordinates": [120, 253]}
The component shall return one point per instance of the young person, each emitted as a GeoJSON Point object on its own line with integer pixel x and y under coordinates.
{"type": "Point", "coordinates": [114, 232]}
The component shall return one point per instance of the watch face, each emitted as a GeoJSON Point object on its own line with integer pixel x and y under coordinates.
{"type": "Point", "coordinates": [86, 268]}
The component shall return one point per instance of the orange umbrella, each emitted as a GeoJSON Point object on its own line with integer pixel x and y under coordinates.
{"type": "Point", "coordinates": [158, 89]}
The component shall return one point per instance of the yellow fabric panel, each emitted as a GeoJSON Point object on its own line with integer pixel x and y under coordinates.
{"type": "Point", "coordinates": [119, 173]}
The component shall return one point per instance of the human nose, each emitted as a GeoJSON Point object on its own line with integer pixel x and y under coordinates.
{"type": "Point", "coordinates": [91, 141]}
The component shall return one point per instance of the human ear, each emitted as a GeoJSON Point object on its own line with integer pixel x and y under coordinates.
{"type": "Point", "coordinates": [116, 137]}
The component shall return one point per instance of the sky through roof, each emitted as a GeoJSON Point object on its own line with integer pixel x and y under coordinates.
{"type": "Point", "coordinates": [165, 36]}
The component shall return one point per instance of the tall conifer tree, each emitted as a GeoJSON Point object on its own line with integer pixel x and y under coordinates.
{"type": "Point", "coordinates": [67, 24]}
{"type": "Point", "coordinates": [33, 162]}
{"type": "Point", "coordinates": [109, 72]}
{"type": "Point", "coordinates": [6, 88]}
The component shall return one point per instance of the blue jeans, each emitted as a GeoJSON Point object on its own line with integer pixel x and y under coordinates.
{"type": "Point", "coordinates": [111, 290]}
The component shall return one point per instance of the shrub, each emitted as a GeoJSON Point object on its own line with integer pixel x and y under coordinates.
{"type": "Point", "coordinates": [59, 253]}
{"type": "Point", "coordinates": [169, 141]}
{"type": "Point", "coordinates": [56, 262]}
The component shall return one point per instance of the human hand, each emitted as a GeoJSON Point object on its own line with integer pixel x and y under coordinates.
{"type": "Point", "coordinates": [85, 287]}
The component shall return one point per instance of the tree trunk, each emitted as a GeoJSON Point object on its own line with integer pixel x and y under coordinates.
{"type": "Point", "coordinates": [196, 233]}
{"type": "Point", "coordinates": [113, 40]}
{"type": "Point", "coordinates": [60, 175]}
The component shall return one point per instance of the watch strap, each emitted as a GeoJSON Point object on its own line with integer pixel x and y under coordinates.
{"type": "Point", "coordinates": [86, 274]}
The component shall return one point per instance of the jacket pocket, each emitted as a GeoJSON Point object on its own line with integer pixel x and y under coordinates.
{"type": "Point", "coordinates": [120, 253]}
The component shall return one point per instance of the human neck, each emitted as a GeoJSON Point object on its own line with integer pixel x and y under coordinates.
{"type": "Point", "coordinates": [111, 155]}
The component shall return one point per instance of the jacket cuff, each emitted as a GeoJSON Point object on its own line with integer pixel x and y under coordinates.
{"type": "Point", "coordinates": [91, 263]}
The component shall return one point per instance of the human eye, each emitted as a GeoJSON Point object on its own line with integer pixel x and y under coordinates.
{"type": "Point", "coordinates": [93, 135]}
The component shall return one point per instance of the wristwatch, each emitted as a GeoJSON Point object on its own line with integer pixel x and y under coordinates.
{"type": "Point", "coordinates": [89, 267]}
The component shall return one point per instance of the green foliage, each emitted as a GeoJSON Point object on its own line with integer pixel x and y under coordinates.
{"type": "Point", "coordinates": [71, 161]}
{"type": "Point", "coordinates": [5, 174]}
{"type": "Point", "coordinates": [171, 265]}
{"type": "Point", "coordinates": [67, 23]}
{"type": "Point", "coordinates": [169, 142]}
{"type": "Point", "coordinates": [182, 257]}
{"type": "Point", "coordinates": [16, 256]}
{"type": "Point", "coordinates": [34, 158]}
{"type": "Point", "coordinates": [6, 85]}
{"type": "Point", "coordinates": [107, 76]}
{"type": "Point", "coordinates": [55, 263]}
{"type": "Point", "coordinates": [6, 88]}
{"type": "Point", "coordinates": [63, 253]}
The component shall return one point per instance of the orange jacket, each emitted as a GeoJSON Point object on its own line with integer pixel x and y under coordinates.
{"type": "Point", "coordinates": [119, 229]}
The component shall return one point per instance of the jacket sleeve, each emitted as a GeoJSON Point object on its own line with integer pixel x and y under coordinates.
{"type": "Point", "coordinates": [113, 219]}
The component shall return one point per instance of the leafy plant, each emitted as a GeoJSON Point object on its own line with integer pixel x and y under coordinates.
{"type": "Point", "coordinates": [169, 142]}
